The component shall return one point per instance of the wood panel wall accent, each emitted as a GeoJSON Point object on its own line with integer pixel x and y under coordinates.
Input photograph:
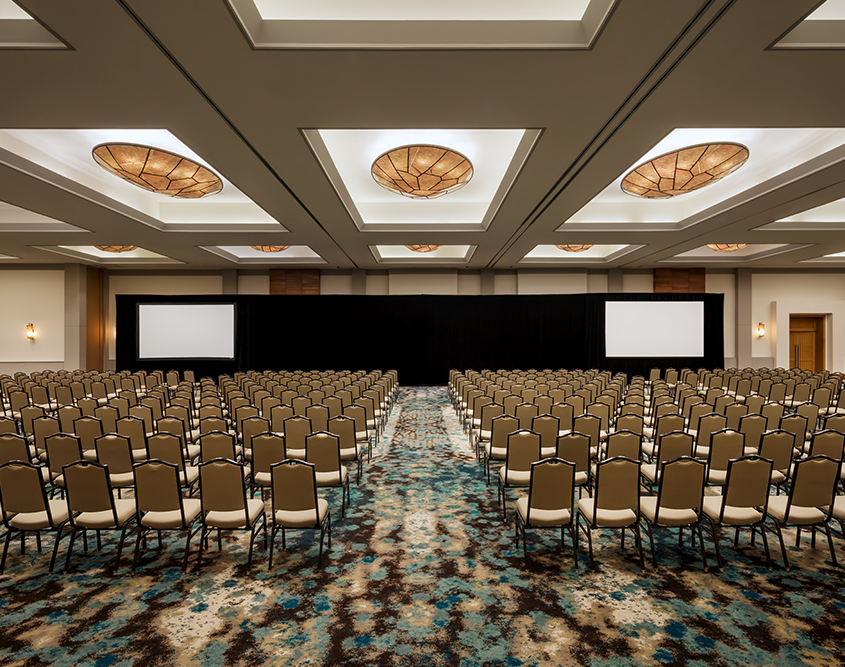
{"type": "Point", "coordinates": [294, 281]}
{"type": "Point", "coordinates": [94, 320]}
{"type": "Point", "coordinates": [679, 281]}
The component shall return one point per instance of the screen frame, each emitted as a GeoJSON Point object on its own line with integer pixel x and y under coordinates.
{"type": "Point", "coordinates": [160, 302]}
{"type": "Point", "coordinates": [700, 315]}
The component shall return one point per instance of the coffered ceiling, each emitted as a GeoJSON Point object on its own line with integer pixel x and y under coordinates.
{"type": "Point", "coordinates": [553, 102]}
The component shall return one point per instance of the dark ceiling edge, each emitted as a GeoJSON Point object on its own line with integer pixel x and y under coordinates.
{"type": "Point", "coordinates": [166, 52]}
{"type": "Point", "coordinates": [594, 146]}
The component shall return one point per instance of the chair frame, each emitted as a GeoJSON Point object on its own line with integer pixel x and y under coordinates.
{"type": "Point", "coordinates": [324, 526]}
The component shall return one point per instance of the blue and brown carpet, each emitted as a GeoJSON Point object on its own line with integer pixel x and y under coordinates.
{"type": "Point", "coordinates": [422, 571]}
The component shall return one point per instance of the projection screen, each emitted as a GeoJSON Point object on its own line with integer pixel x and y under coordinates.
{"type": "Point", "coordinates": [186, 331]}
{"type": "Point", "coordinates": [654, 328]}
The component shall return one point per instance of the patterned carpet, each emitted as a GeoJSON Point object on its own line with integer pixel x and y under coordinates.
{"type": "Point", "coordinates": [423, 572]}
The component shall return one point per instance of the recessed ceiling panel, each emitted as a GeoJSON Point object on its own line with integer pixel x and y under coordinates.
{"type": "Point", "coordinates": [750, 253]}
{"type": "Point", "coordinates": [16, 219]}
{"type": "Point", "coordinates": [379, 24]}
{"type": "Point", "coordinates": [244, 254]}
{"type": "Point", "coordinates": [445, 254]}
{"type": "Point", "coordinates": [89, 253]}
{"type": "Point", "coordinates": [19, 30]}
{"type": "Point", "coordinates": [827, 217]}
{"type": "Point", "coordinates": [67, 154]}
{"type": "Point", "coordinates": [598, 254]}
{"type": "Point", "coordinates": [823, 29]}
{"type": "Point", "coordinates": [347, 157]}
{"type": "Point", "coordinates": [777, 156]}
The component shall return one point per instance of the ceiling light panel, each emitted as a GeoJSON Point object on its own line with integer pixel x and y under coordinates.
{"type": "Point", "coordinates": [245, 254]}
{"type": "Point", "coordinates": [67, 153]}
{"type": "Point", "coordinates": [432, 10]}
{"type": "Point", "coordinates": [401, 254]}
{"type": "Point", "coordinates": [597, 253]}
{"type": "Point", "coordinates": [347, 157]}
{"type": "Point", "coordinates": [773, 153]}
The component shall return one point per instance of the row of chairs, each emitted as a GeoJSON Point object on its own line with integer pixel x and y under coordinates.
{"type": "Point", "coordinates": [680, 501]}
{"type": "Point", "coordinates": [159, 505]}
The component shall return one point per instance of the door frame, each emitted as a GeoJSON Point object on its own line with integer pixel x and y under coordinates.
{"type": "Point", "coordinates": [834, 320]}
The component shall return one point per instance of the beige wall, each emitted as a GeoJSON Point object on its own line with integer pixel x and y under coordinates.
{"type": "Point", "coordinates": [38, 297]}
{"type": "Point", "coordinates": [254, 284]}
{"type": "Point", "coordinates": [769, 288]}
{"type": "Point", "coordinates": [423, 282]}
{"type": "Point", "coordinates": [552, 282]}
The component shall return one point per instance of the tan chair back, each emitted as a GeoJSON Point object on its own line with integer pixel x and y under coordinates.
{"type": "Point", "coordinates": [551, 487]}
{"type": "Point", "coordinates": [294, 487]}
{"type": "Point", "coordinates": [681, 485]}
{"type": "Point", "coordinates": [222, 487]}
{"type": "Point", "coordinates": [523, 449]}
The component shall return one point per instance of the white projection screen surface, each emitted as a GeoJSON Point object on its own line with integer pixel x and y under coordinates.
{"type": "Point", "coordinates": [186, 331]}
{"type": "Point", "coordinates": [654, 328]}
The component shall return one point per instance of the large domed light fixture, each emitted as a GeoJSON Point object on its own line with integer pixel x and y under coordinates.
{"type": "Point", "coordinates": [574, 247]}
{"type": "Point", "coordinates": [422, 172]}
{"type": "Point", "coordinates": [685, 170]}
{"type": "Point", "coordinates": [270, 248]}
{"type": "Point", "coordinates": [116, 248]}
{"type": "Point", "coordinates": [727, 247]}
{"type": "Point", "coordinates": [157, 170]}
{"type": "Point", "coordinates": [423, 248]}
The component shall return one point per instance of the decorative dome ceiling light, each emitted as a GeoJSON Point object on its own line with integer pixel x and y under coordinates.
{"type": "Point", "coordinates": [727, 247]}
{"type": "Point", "coordinates": [157, 170]}
{"type": "Point", "coordinates": [422, 172]}
{"type": "Point", "coordinates": [270, 248]}
{"type": "Point", "coordinates": [423, 248]}
{"type": "Point", "coordinates": [574, 248]}
{"type": "Point", "coordinates": [685, 170]}
{"type": "Point", "coordinates": [116, 248]}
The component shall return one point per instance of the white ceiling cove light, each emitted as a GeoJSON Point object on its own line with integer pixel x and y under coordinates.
{"type": "Point", "coordinates": [348, 157]}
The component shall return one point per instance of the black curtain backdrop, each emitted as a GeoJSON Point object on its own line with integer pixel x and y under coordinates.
{"type": "Point", "coordinates": [423, 337]}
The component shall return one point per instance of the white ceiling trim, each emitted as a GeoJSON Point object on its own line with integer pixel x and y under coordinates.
{"type": "Point", "coordinates": [399, 254]}
{"type": "Point", "coordinates": [550, 254]}
{"type": "Point", "coordinates": [295, 254]}
{"type": "Point", "coordinates": [337, 25]}
{"type": "Point", "coordinates": [92, 255]}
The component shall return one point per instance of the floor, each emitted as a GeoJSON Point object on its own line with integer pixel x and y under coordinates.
{"type": "Point", "coordinates": [422, 571]}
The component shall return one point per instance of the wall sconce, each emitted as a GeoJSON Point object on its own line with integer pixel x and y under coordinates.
{"type": "Point", "coordinates": [30, 331]}
{"type": "Point", "coordinates": [761, 330]}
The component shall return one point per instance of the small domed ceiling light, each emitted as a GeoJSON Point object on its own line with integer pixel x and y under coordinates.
{"type": "Point", "coordinates": [685, 170]}
{"type": "Point", "coordinates": [116, 248]}
{"type": "Point", "coordinates": [727, 247]}
{"type": "Point", "coordinates": [422, 172]}
{"type": "Point", "coordinates": [270, 248]}
{"type": "Point", "coordinates": [574, 248]}
{"type": "Point", "coordinates": [423, 248]}
{"type": "Point", "coordinates": [157, 170]}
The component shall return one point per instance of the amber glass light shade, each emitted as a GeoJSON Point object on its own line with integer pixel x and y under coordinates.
{"type": "Point", "coordinates": [685, 170]}
{"type": "Point", "coordinates": [422, 172]}
{"type": "Point", "coordinates": [270, 248]}
{"type": "Point", "coordinates": [116, 248]}
{"type": "Point", "coordinates": [423, 248]}
{"type": "Point", "coordinates": [157, 170]}
{"type": "Point", "coordinates": [574, 248]}
{"type": "Point", "coordinates": [727, 247]}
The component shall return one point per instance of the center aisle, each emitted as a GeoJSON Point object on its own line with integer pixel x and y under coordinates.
{"type": "Point", "coordinates": [421, 572]}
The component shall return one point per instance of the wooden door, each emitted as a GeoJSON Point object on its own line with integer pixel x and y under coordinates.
{"type": "Point", "coordinates": [806, 342]}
